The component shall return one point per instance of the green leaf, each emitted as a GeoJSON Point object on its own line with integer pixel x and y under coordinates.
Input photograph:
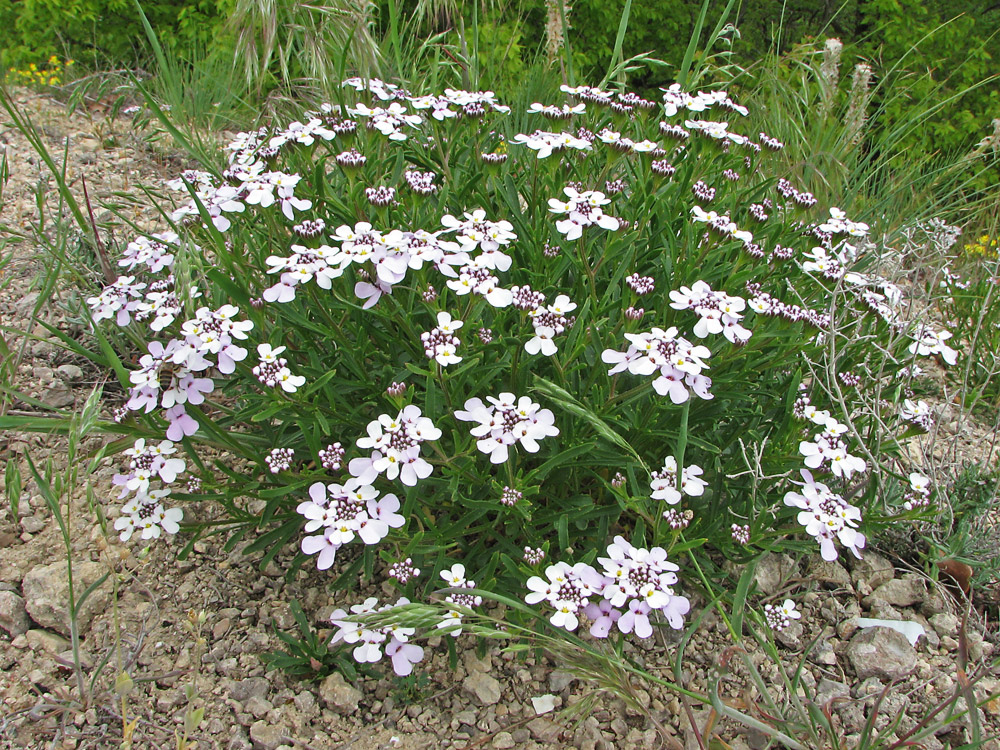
{"type": "Point", "coordinates": [562, 529]}
{"type": "Point", "coordinates": [567, 402]}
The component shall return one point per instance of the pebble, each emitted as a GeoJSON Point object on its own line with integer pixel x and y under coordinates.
{"type": "Point", "coordinates": [72, 373]}
{"type": "Point", "coordinates": [483, 688]}
{"type": "Point", "coordinates": [32, 524]}
{"type": "Point", "coordinates": [266, 736]}
{"type": "Point", "coordinates": [221, 628]}
{"type": "Point", "coordinates": [881, 652]}
{"type": "Point", "coordinates": [13, 617]}
{"type": "Point", "coordinates": [504, 741]}
{"type": "Point", "coordinates": [337, 695]}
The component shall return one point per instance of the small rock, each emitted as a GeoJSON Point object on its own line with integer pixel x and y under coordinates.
{"type": "Point", "coordinates": [305, 702]}
{"type": "Point", "coordinates": [228, 666]}
{"type": "Point", "coordinates": [46, 594]}
{"type": "Point", "coordinates": [44, 349]}
{"type": "Point", "coordinates": [544, 730]}
{"type": "Point", "coordinates": [57, 396]}
{"type": "Point", "coordinates": [934, 604]}
{"type": "Point", "coordinates": [46, 641]}
{"type": "Point", "coordinates": [474, 664]}
{"type": "Point", "coordinates": [68, 657]}
{"type": "Point", "coordinates": [882, 653]}
{"type": "Point", "coordinates": [32, 524]}
{"type": "Point", "coordinates": [873, 569]}
{"type": "Point", "coordinates": [465, 717]}
{"type": "Point", "coordinates": [258, 706]}
{"type": "Point", "coordinates": [221, 628]}
{"type": "Point", "coordinates": [790, 636]}
{"type": "Point", "coordinates": [70, 372]}
{"type": "Point", "coordinates": [338, 695]}
{"type": "Point", "coordinates": [266, 736]}
{"type": "Point", "coordinates": [900, 592]}
{"type": "Point", "coordinates": [619, 727]}
{"type": "Point", "coordinates": [869, 686]}
{"type": "Point", "coordinates": [945, 623]}
{"type": "Point", "coordinates": [251, 687]}
{"type": "Point", "coordinates": [828, 690]}
{"type": "Point", "coordinates": [483, 687]}
{"type": "Point", "coordinates": [560, 680]}
{"type": "Point", "coordinates": [282, 617]}
{"type": "Point", "coordinates": [975, 641]}
{"type": "Point", "coordinates": [13, 617]}
{"type": "Point", "coordinates": [504, 741]}
{"type": "Point", "coordinates": [823, 653]}
{"type": "Point", "coordinates": [882, 610]}
{"type": "Point", "coordinates": [829, 571]}
{"type": "Point", "coordinates": [772, 570]}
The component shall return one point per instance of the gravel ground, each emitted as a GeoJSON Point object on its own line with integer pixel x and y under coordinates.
{"type": "Point", "coordinates": [486, 701]}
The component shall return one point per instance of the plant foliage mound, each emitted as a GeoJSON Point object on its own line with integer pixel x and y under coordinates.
{"type": "Point", "coordinates": [550, 354]}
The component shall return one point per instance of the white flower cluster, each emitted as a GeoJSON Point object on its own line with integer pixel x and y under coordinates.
{"type": "Point", "coordinates": [304, 134]}
{"type": "Point", "coordinates": [468, 103]}
{"type": "Point", "coordinates": [272, 369]}
{"type": "Point", "coordinates": [371, 642]}
{"type": "Point", "coordinates": [254, 185]}
{"type": "Point", "coordinates": [838, 223]}
{"type": "Point", "coordinates": [620, 143]}
{"type": "Point", "coordinates": [556, 113]}
{"type": "Point", "coordinates": [118, 300]}
{"type": "Point", "coordinates": [779, 617]}
{"type": "Point", "coordinates": [476, 232]}
{"type": "Point", "coordinates": [677, 363]}
{"type": "Point", "coordinates": [719, 312]}
{"type": "Point", "coordinates": [827, 516]}
{"type": "Point", "coordinates": [633, 583]}
{"type": "Point", "coordinates": [125, 299]}
{"type": "Point", "coordinates": [665, 487]}
{"type": "Point", "coordinates": [441, 343]}
{"type": "Point", "coordinates": [717, 130]}
{"type": "Point", "coordinates": [455, 578]}
{"type": "Point", "coordinates": [919, 495]}
{"type": "Point", "coordinates": [928, 341]}
{"type": "Point", "coordinates": [506, 421]}
{"type": "Point", "coordinates": [167, 375]}
{"type": "Point", "coordinates": [393, 253]}
{"type": "Point", "coordinates": [722, 224]}
{"type": "Point", "coordinates": [917, 413]}
{"type": "Point", "coordinates": [395, 448]}
{"type": "Point", "coordinates": [584, 210]}
{"type": "Point", "coordinates": [545, 143]}
{"type": "Point", "coordinates": [145, 511]}
{"type": "Point", "coordinates": [389, 121]}
{"type": "Point", "coordinates": [674, 100]}
{"type": "Point", "coordinates": [342, 513]}
{"type": "Point", "coordinates": [827, 447]}
{"type": "Point", "coordinates": [548, 322]}
{"type": "Point", "coordinates": [381, 89]}
{"type": "Point", "coordinates": [154, 252]}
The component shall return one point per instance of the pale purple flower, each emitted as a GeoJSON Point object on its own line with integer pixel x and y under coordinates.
{"type": "Point", "coordinates": [181, 423]}
{"type": "Point", "coordinates": [507, 421]}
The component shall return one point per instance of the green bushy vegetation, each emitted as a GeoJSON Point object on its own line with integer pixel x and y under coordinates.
{"type": "Point", "coordinates": [275, 245]}
{"type": "Point", "coordinates": [105, 32]}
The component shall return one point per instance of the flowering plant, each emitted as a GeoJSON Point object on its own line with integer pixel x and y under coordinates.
{"type": "Point", "coordinates": [426, 287]}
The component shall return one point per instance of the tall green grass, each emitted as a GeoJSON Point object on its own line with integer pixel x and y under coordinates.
{"type": "Point", "coordinates": [844, 143]}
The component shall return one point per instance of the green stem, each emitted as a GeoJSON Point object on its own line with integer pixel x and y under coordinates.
{"type": "Point", "coordinates": [585, 261]}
